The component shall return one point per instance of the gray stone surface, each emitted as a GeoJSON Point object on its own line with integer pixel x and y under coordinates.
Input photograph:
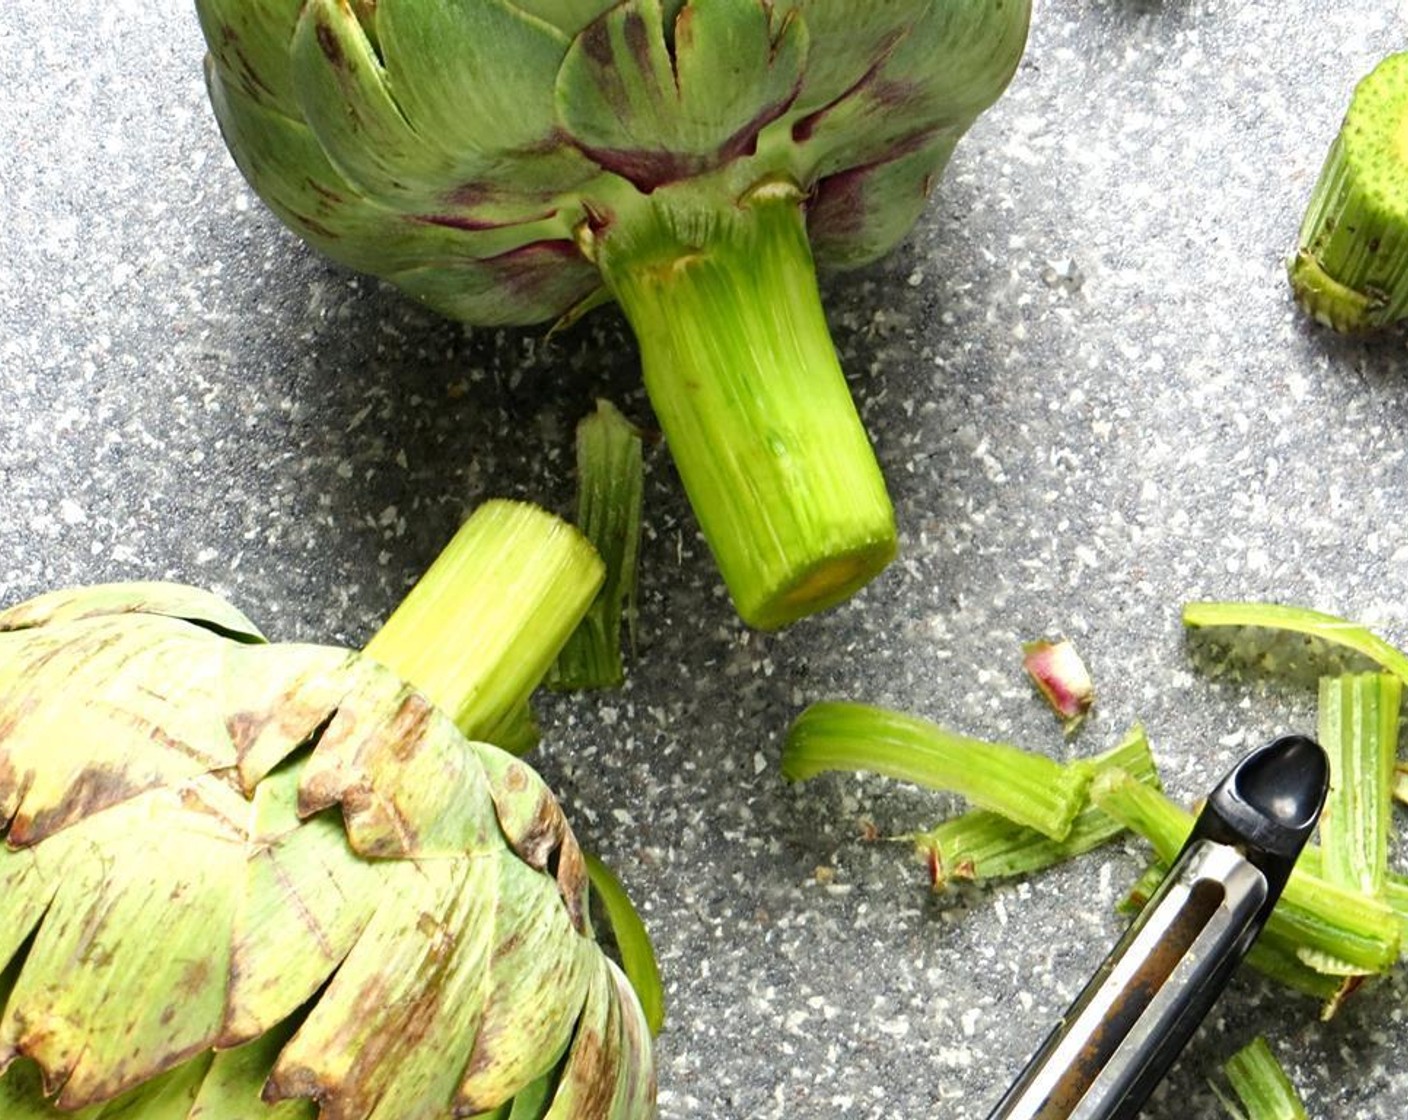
{"type": "Point", "coordinates": [1089, 390]}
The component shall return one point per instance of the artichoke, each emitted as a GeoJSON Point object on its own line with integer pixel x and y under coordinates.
{"type": "Point", "coordinates": [245, 880]}
{"type": "Point", "coordinates": [516, 161]}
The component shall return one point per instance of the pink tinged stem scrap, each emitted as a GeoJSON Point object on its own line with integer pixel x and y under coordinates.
{"type": "Point", "coordinates": [1061, 677]}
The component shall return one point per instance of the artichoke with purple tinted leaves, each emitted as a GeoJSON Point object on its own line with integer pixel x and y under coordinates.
{"type": "Point", "coordinates": [518, 161]}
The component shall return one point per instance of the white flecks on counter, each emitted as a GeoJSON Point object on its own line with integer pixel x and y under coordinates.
{"type": "Point", "coordinates": [1091, 397]}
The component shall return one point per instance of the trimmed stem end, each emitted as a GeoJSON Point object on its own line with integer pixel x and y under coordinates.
{"type": "Point", "coordinates": [481, 628]}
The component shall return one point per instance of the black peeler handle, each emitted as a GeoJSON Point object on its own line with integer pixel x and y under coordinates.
{"type": "Point", "coordinates": [1129, 1024]}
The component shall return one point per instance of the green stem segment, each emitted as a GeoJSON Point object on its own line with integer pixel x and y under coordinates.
{"type": "Point", "coordinates": [745, 381]}
{"type": "Point", "coordinates": [1300, 620]}
{"type": "Point", "coordinates": [982, 845]}
{"type": "Point", "coordinates": [1351, 269]}
{"type": "Point", "coordinates": [1262, 1085]}
{"type": "Point", "coordinates": [1359, 731]}
{"type": "Point", "coordinates": [610, 494]}
{"type": "Point", "coordinates": [1025, 788]}
{"type": "Point", "coordinates": [1395, 885]}
{"type": "Point", "coordinates": [481, 628]}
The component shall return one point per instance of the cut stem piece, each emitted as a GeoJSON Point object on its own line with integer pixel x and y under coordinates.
{"type": "Point", "coordinates": [1262, 1085]}
{"type": "Point", "coordinates": [610, 494]}
{"type": "Point", "coordinates": [1027, 788]}
{"type": "Point", "coordinates": [1359, 731]}
{"type": "Point", "coordinates": [481, 628]}
{"type": "Point", "coordinates": [1062, 679]}
{"type": "Point", "coordinates": [1395, 885]}
{"type": "Point", "coordinates": [1351, 269]}
{"type": "Point", "coordinates": [1300, 620]}
{"type": "Point", "coordinates": [985, 845]}
{"type": "Point", "coordinates": [744, 379]}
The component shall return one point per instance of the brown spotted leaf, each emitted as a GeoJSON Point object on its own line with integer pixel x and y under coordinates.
{"type": "Point", "coordinates": [608, 1071]}
{"type": "Point", "coordinates": [116, 987]}
{"type": "Point", "coordinates": [170, 600]}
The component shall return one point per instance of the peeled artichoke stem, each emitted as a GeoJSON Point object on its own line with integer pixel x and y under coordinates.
{"type": "Point", "coordinates": [1351, 269]}
{"type": "Point", "coordinates": [483, 625]}
{"type": "Point", "coordinates": [744, 379]}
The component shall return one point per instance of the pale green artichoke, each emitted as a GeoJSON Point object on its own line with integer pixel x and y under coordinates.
{"type": "Point", "coordinates": [234, 870]}
{"type": "Point", "coordinates": [515, 161]}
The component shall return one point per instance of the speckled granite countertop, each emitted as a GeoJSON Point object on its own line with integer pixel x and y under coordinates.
{"type": "Point", "coordinates": [1090, 393]}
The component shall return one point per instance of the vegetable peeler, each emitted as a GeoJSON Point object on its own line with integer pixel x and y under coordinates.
{"type": "Point", "coordinates": [1119, 1037]}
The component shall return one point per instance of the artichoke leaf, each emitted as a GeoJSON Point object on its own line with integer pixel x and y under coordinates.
{"type": "Point", "coordinates": [952, 64]}
{"type": "Point", "coordinates": [477, 79]}
{"type": "Point", "coordinates": [606, 1073]}
{"type": "Point", "coordinates": [275, 698]}
{"type": "Point", "coordinates": [858, 215]}
{"type": "Point", "coordinates": [530, 975]}
{"type": "Point", "coordinates": [235, 1079]}
{"type": "Point", "coordinates": [529, 815]}
{"type": "Point", "coordinates": [306, 898]}
{"type": "Point", "coordinates": [193, 704]}
{"type": "Point", "coordinates": [531, 1103]}
{"type": "Point", "coordinates": [223, 1086]}
{"type": "Point", "coordinates": [27, 891]}
{"type": "Point", "coordinates": [22, 1096]}
{"type": "Point", "coordinates": [345, 98]}
{"type": "Point", "coordinates": [115, 989]}
{"type": "Point", "coordinates": [656, 107]}
{"type": "Point", "coordinates": [248, 41]}
{"type": "Point", "coordinates": [536, 281]}
{"type": "Point", "coordinates": [407, 780]}
{"type": "Point", "coordinates": [963, 53]}
{"type": "Point", "coordinates": [155, 678]}
{"type": "Point", "coordinates": [342, 94]}
{"type": "Point", "coordinates": [393, 1033]}
{"type": "Point", "coordinates": [171, 600]}
{"type": "Point", "coordinates": [167, 1097]}
{"type": "Point", "coordinates": [848, 41]}
{"type": "Point", "coordinates": [283, 160]}
{"type": "Point", "coordinates": [568, 16]}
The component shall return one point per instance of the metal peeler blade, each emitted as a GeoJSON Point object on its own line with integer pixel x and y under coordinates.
{"type": "Point", "coordinates": [1123, 1032]}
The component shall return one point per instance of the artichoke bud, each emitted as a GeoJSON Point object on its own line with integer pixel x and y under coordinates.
{"type": "Point", "coordinates": [241, 878]}
{"type": "Point", "coordinates": [456, 149]}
